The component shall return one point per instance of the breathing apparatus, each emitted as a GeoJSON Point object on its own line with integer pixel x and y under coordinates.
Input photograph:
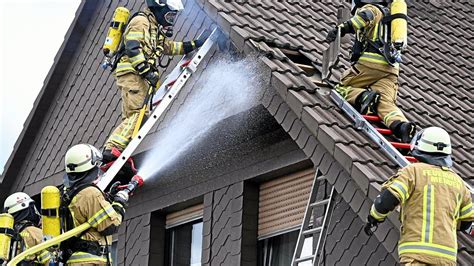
{"type": "Point", "coordinates": [6, 234]}
{"type": "Point", "coordinates": [50, 204]}
{"type": "Point", "coordinates": [114, 35]}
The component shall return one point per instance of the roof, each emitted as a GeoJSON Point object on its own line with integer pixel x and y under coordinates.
{"type": "Point", "coordinates": [435, 85]}
{"type": "Point", "coordinates": [79, 102]}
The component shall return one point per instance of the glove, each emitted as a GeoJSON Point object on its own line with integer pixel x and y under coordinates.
{"type": "Point", "coordinates": [121, 197]}
{"type": "Point", "coordinates": [202, 39]}
{"type": "Point", "coordinates": [152, 78]}
{"type": "Point", "coordinates": [371, 223]}
{"type": "Point", "coordinates": [332, 35]}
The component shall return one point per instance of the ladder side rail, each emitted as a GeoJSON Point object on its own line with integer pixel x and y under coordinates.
{"type": "Point", "coordinates": [325, 226]}
{"type": "Point", "coordinates": [157, 112]}
{"type": "Point", "coordinates": [306, 218]}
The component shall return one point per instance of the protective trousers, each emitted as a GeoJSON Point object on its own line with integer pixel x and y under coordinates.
{"type": "Point", "coordinates": [413, 262]}
{"type": "Point", "coordinates": [134, 90]}
{"type": "Point", "coordinates": [358, 78]}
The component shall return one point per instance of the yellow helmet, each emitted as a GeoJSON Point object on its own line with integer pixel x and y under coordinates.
{"type": "Point", "coordinates": [16, 202]}
{"type": "Point", "coordinates": [82, 158]}
{"type": "Point", "coordinates": [432, 140]}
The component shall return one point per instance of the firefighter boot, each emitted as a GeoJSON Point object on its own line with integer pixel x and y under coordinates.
{"type": "Point", "coordinates": [403, 130]}
{"type": "Point", "coordinates": [366, 102]}
{"type": "Point", "coordinates": [128, 169]}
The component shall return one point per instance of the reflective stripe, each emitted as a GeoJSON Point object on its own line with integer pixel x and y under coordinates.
{"type": "Point", "coordinates": [428, 214]}
{"type": "Point", "coordinates": [343, 90]}
{"type": "Point", "coordinates": [467, 211]}
{"type": "Point", "coordinates": [178, 46]}
{"type": "Point", "coordinates": [401, 188]}
{"type": "Point", "coordinates": [357, 22]}
{"type": "Point", "coordinates": [128, 127]}
{"type": "Point", "coordinates": [137, 59]}
{"type": "Point", "coordinates": [428, 248]}
{"type": "Point", "coordinates": [119, 139]}
{"type": "Point", "coordinates": [43, 257]}
{"type": "Point", "coordinates": [376, 32]}
{"type": "Point", "coordinates": [100, 216]}
{"type": "Point", "coordinates": [134, 35]}
{"type": "Point", "coordinates": [85, 257]}
{"type": "Point", "coordinates": [391, 115]}
{"type": "Point", "coordinates": [373, 57]}
{"type": "Point", "coordinates": [122, 67]}
{"type": "Point", "coordinates": [377, 215]}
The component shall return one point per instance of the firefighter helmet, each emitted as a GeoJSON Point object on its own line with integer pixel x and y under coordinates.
{"type": "Point", "coordinates": [432, 140]}
{"type": "Point", "coordinates": [17, 202]}
{"type": "Point", "coordinates": [175, 5]}
{"type": "Point", "coordinates": [82, 158]}
{"type": "Point", "coordinates": [359, 3]}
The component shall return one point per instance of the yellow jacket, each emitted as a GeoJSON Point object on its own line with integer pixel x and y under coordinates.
{"type": "Point", "coordinates": [370, 29]}
{"type": "Point", "coordinates": [31, 237]}
{"type": "Point", "coordinates": [90, 205]}
{"type": "Point", "coordinates": [433, 199]}
{"type": "Point", "coordinates": [144, 28]}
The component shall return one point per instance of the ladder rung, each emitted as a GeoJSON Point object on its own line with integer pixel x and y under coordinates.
{"type": "Point", "coordinates": [384, 131]}
{"type": "Point", "coordinates": [298, 260]}
{"type": "Point", "coordinates": [400, 145]}
{"type": "Point", "coordinates": [312, 231]}
{"type": "Point", "coordinates": [373, 118]}
{"type": "Point", "coordinates": [411, 159]}
{"type": "Point", "coordinates": [319, 203]}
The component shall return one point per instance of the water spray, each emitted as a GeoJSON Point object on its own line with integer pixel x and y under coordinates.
{"type": "Point", "coordinates": [227, 87]}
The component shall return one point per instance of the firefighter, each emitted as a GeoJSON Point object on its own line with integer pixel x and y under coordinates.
{"type": "Point", "coordinates": [145, 42]}
{"type": "Point", "coordinates": [83, 202]}
{"type": "Point", "coordinates": [371, 83]}
{"type": "Point", "coordinates": [27, 227]}
{"type": "Point", "coordinates": [433, 199]}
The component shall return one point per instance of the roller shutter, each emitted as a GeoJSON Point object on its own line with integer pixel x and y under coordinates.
{"type": "Point", "coordinates": [282, 203]}
{"type": "Point", "coordinates": [184, 216]}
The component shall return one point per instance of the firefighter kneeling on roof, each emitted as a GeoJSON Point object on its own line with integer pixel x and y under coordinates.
{"type": "Point", "coordinates": [433, 199]}
{"type": "Point", "coordinates": [27, 227]}
{"type": "Point", "coordinates": [145, 41]}
{"type": "Point", "coordinates": [83, 202]}
{"type": "Point", "coordinates": [371, 83]}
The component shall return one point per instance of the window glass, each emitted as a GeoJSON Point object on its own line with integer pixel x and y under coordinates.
{"type": "Point", "coordinates": [278, 250]}
{"type": "Point", "coordinates": [184, 244]}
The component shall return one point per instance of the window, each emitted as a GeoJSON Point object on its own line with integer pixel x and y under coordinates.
{"type": "Point", "coordinates": [278, 250]}
{"type": "Point", "coordinates": [184, 244]}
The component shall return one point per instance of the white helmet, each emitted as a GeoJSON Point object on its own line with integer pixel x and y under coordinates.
{"type": "Point", "coordinates": [16, 202]}
{"type": "Point", "coordinates": [174, 5]}
{"type": "Point", "coordinates": [432, 140]}
{"type": "Point", "coordinates": [82, 158]}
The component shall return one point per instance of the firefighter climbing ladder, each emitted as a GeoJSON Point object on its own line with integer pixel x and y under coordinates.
{"type": "Point", "coordinates": [312, 229]}
{"type": "Point", "coordinates": [164, 97]}
{"type": "Point", "coordinates": [331, 58]}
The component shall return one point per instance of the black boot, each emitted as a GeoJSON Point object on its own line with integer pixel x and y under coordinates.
{"type": "Point", "coordinates": [405, 131]}
{"type": "Point", "coordinates": [367, 102]}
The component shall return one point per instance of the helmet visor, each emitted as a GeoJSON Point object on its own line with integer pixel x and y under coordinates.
{"type": "Point", "coordinates": [170, 17]}
{"type": "Point", "coordinates": [415, 139]}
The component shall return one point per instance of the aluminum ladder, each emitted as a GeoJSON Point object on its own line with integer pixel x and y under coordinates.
{"type": "Point", "coordinates": [166, 94]}
{"type": "Point", "coordinates": [310, 227]}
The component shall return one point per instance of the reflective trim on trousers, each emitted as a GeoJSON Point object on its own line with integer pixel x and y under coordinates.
{"type": "Point", "coordinates": [428, 248]}
{"type": "Point", "coordinates": [85, 257]}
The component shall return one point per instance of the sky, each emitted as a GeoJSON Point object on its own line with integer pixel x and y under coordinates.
{"type": "Point", "coordinates": [31, 33]}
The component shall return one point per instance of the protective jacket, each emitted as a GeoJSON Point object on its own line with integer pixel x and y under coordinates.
{"type": "Point", "coordinates": [145, 43]}
{"type": "Point", "coordinates": [367, 24]}
{"type": "Point", "coordinates": [144, 28]}
{"type": "Point", "coordinates": [433, 200]}
{"type": "Point", "coordinates": [90, 205]}
{"type": "Point", "coordinates": [30, 237]}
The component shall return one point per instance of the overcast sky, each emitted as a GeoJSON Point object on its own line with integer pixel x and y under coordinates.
{"type": "Point", "coordinates": [31, 32]}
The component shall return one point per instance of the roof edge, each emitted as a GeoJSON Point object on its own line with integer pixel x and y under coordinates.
{"type": "Point", "coordinates": [46, 95]}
